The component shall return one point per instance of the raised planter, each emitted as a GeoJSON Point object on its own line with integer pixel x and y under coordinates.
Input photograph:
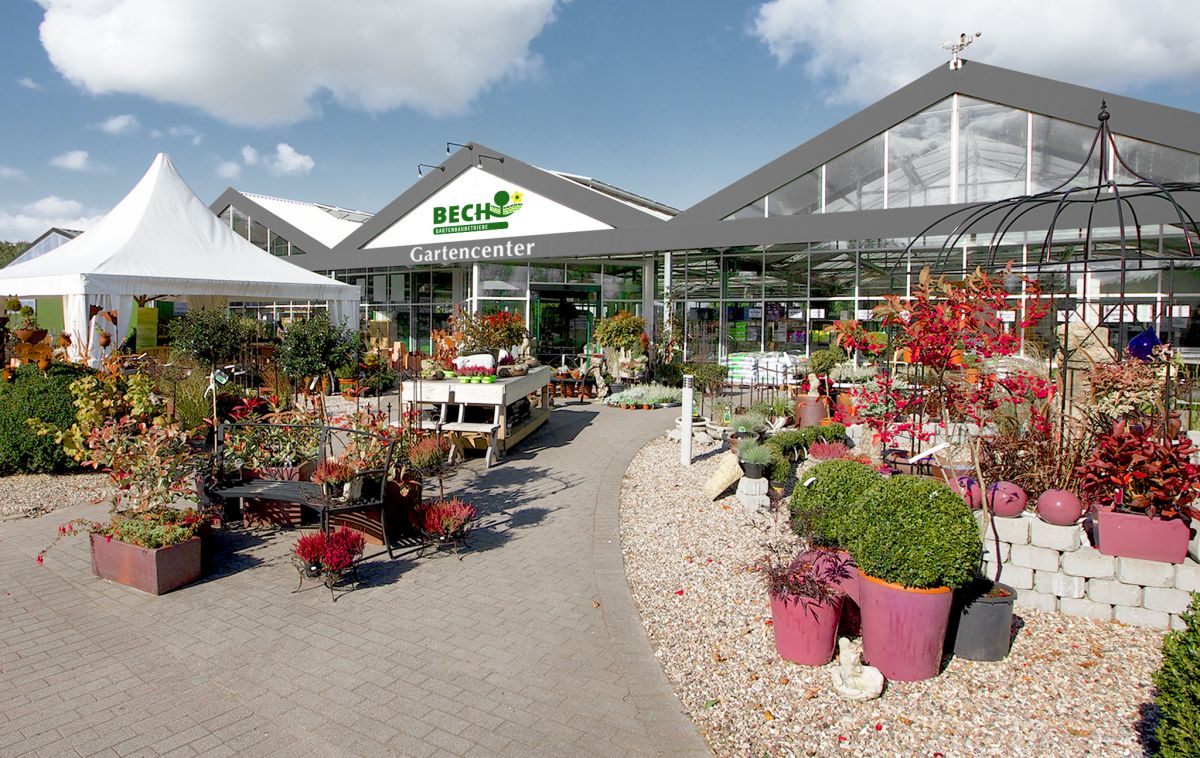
{"type": "Point", "coordinates": [155, 571]}
{"type": "Point", "coordinates": [903, 629]}
{"type": "Point", "coordinates": [980, 626]}
{"type": "Point", "coordinates": [30, 336]}
{"type": "Point", "coordinates": [805, 629]}
{"type": "Point", "coordinates": [1135, 535]}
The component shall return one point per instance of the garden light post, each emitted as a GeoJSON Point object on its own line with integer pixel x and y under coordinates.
{"type": "Point", "coordinates": [685, 421]}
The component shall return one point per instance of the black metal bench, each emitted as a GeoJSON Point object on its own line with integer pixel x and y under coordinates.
{"type": "Point", "coordinates": [221, 488]}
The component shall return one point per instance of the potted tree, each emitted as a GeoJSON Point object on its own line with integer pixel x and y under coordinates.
{"type": "Point", "coordinates": [806, 603]}
{"type": "Point", "coordinates": [148, 543]}
{"type": "Point", "coordinates": [313, 347]}
{"type": "Point", "coordinates": [915, 541]}
{"type": "Point", "coordinates": [1141, 486]}
{"type": "Point", "coordinates": [26, 327]}
{"type": "Point", "coordinates": [211, 338]}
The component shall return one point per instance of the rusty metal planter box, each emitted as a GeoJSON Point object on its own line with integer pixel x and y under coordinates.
{"type": "Point", "coordinates": [155, 571]}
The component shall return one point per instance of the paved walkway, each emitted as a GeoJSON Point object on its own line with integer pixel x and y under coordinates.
{"type": "Point", "coordinates": [530, 645]}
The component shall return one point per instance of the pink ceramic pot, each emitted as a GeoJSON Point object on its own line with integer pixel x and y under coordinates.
{"type": "Point", "coordinates": [968, 487]}
{"type": "Point", "coordinates": [1059, 507]}
{"type": "Point", "coordinates": [1135, 535]}
{"type": "Point", "coordinates": [1007, 499]}
{"type": "Point", "coordinates": [903, 629]}
{"type": "Point", "coordinates": [805, 630]}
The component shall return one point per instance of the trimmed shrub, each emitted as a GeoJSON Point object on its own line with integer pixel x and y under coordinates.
{"type": "Point", "coordinates": [788, 441]}
{"type": "Point", "coordinates": [1178, 683]}
{"type": "Point", "coordinates": [917, 533]}
{"type": "Point", "coordinates": [314, 346]}
{"type": "Point", "coordinates": [781, 467]}
{"type": "Point", "coordinates": [825, 510]}
{"type": "Point", "coordinates": [824, 361]}
{"type": "Point", "coordinates": [47, 398]}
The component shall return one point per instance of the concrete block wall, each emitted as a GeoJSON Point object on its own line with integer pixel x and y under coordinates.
{"type": "Point", "coordinates": [1055, 568]}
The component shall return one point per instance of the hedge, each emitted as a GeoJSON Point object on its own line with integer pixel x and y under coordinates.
{"type": "Point", "coordinates": [32, 394]}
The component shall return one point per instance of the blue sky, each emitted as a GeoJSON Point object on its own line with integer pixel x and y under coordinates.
{"type": "Point", "coordinates": [672, 99]}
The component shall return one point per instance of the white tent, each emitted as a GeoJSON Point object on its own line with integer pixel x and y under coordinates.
{"type": "Point", "coordinates": [162, 241]}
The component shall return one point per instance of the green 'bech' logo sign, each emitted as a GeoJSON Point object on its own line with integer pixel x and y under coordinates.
{"type": "Point", "coordinates": [453, 219]}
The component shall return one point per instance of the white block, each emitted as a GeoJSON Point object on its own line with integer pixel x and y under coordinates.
{"type": "Point", "coordinates": [1187, 576]}
{"type": "Point", "coordinates": [1065, 538]}
{"type": "Point", "coordinates": [989, 549]}
{"type": "Point", "coordinates": [1040, 558]}
{"type": "Point", "coordinates": [1038, 601]}
{"type": "Point", "coordinates": [1055, 583]}
{"type": "Point", "coordinates": [1166, 600]}
{"type": "Point", "coordinates": [1017, 577]}
{"type": "Point", "coordinates": [1013, 530]}
{"type": "Point", "coordinates": [1085, 608]}
{"type": "Point", "coordinates": [1194, 547]}
{"type": "Point", "coordinates": [1089, 562]}
{"type": "Point", "coordinates": [1114, 593]}
{"type": "Point", "coordinates": [1177, 623]}
{"type": "Point", "coordinates": [1145, 573]}
{"type": "Point", "coordinates": [1141, 617]}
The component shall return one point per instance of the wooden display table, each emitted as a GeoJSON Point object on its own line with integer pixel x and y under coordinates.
{"type": "Point", "coordinates": [451, 398]}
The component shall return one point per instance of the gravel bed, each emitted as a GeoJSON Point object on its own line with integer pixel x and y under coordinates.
{"type": "Point", "coordinates": [27, 495]}
{"type": "Point", "coordinates": [1069, 687]}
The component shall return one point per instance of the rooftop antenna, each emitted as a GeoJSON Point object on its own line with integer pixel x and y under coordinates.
{"type": "Point", "coordinates": [957, 46]}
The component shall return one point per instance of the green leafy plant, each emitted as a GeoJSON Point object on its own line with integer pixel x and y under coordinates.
{"type": "Point", "coordinates": [622, 331]}
{"type": "Point", "coordinates": [314, 346]}
{"type": "Point", "coordinates": [1178, 684]}
{"type": "Point", "coordinates": [708, 377]}
{"type": "Point", "coordinates": [823, 505]}
{"type": "Point", "coordinates": [26, 319]}
{"type": "Point", "coordinates": [917, 533]}
{"type": "Point", "coordinates": [210, 337]}
{"type": "Point", "coordinates": [154, 527]}
{"type": "Point", "coordinates": [823, 361]}
{"type": "Point", "coordinates": [34, 399]}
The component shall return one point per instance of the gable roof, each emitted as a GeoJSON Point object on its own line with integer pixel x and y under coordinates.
{"type": "Point", "coordinates": [313, 227]}
{"type": "Point", "coordinates": [572, 192]}
{"type": "Point", "coordinates": [1139, 119]}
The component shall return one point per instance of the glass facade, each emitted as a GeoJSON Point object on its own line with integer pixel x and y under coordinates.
{"type": "Point", "coordinates": [258, 234]}
{"type": "Point", "coordinates": [964, 150]}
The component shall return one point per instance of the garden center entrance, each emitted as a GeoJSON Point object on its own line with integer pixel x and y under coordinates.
{"type": "Point", "coordinates": [562, 317]}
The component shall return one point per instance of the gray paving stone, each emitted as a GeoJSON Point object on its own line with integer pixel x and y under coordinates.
{"type": "Point", "coordinates": [501, 653]}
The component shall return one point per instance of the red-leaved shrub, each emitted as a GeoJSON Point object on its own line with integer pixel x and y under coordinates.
{"type": "Point", "coordinates": [828, 451]}
{"type": "Point", "coordinates": [442, 517]}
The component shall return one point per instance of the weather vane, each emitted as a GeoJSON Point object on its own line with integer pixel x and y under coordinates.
{"type": "Point", "coordinates": [957, 46]}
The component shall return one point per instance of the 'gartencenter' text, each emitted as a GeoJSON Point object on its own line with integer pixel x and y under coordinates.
{"type": "Point", "coordinates": [447, 254]}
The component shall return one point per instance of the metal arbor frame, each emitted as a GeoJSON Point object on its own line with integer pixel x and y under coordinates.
{"type": "Point", "coordinates": [1107, 198]}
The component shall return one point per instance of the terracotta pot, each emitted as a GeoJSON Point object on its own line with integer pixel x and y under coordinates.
{"type": "Point", "coordinates": [847, 585]}
{"type": "Point", "coordinates": [1135, 535]}
{"type": "Point", "coordinates": [809, 410]}
{"type": "Point", "coordinates": [646, 406]}
{"type": "Point", "coordinates": [805, 630]}
{"type": "Point", "coordinates": [105, 339]}
{"type": "Point", "coordinates": [903, 629]}
{"type": "Point", "coordinates": [154, 571]}
{"type": "Point", "coordinates": [43, 364]}
{"type": "Point", "coordinates": [30, 336]}
{"type": "Point", "coordinates": [1059, 507]}
{"type": "Point", "coordinates": [826, 421]}
{"type": "Point", "coordinates": [1007, 500]}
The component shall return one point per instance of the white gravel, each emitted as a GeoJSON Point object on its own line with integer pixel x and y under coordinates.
{"type": "Point", "coordinates": [1069, 687]}
{"type": "Point", "coordinates": [26, 495]}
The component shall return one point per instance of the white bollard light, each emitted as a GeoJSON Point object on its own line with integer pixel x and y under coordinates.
{"type": "Point", "coordinates": [685, 423]}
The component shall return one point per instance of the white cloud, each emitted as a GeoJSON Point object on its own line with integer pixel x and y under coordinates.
{"type": "Point", "coordinates": [288, 162]}
{"type": "Point", "coordinates": [123, 124]}
{"type": "Point", "coordinates": [865, 49]}
{"type": "Point", "coordinates": [29, 221]}
{"type": "Point", "coordinates": [156, 134]}
{"type": "Point", "coordinates": [73, 160]}
{"type": "Point", "coordinates": [28, 83]}
{"type": "Point", "coordinates": [249, 155]}
{"type": "Point", "coordinates": [8, 172]}
{"type": "Point", "coordinates": [281, 55]}
{"type": "Point", "coordinates": [229, 169]}
{"type": "Point", "coordinates": [186, 132]}
{"type": "Point", "coordinates": [53, 206]}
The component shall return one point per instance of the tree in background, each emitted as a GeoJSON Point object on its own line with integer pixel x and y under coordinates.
{"type": "Point", "coordinates": [211, 338]}
{"type": "Point", "coordinates": [10, 250]}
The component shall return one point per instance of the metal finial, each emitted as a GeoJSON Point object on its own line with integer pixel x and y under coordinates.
{"type": "Point", "coordinates": [1103, 116]}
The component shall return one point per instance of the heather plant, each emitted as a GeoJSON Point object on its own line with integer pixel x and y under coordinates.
{"type": "Point", "coordinates": [827, 451]}
{"type": "Point", "coordinates": [443, 518]}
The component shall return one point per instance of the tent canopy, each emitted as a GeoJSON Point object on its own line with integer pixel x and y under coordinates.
{"type": "Point", "coordinates": [161, 240]}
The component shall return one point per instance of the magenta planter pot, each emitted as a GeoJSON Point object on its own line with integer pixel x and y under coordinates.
{"type": "Point", "coordinates": [1135, 535]}
{"type": "Point", "coordinates": [1059, 507]}
{"type": "Point", "coordinates": [1007, 499]}
{"type": "Point", "coordinates": [805, 630]}
{"type": "Point", "coordinates": [903, 629]}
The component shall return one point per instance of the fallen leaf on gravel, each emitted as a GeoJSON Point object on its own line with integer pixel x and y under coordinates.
{"type": "Point", "coordinates": [678, 592]}
{"type": "Point", "coordinates": [811, 692]}
{"type": "Point", "coordinates": [711, 703]}
{"type": "Point", "coordinates": [717, 657]}
{"type": "Point", "coordinates": [1078, 731]}
{"type": "Point", "coordinates": [906, 722]}
{"type": "Point", "coordinates": [768, 716]}
{"type": "Point", "coordinates": [784, 680]}
{"type": "Point", "coordinates": [595, 603]}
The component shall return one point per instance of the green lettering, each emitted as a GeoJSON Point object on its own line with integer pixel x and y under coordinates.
{"type": "Point", "coordinates": [439, 215]}
{"type": "Point", "coordinates": [452, 216]}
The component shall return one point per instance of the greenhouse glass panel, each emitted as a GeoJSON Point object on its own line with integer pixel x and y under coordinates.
{"type": "Point", "coordinates": [992, 154]}
{"type": "Point", "coordinates": [919, 158]}
{"type": "Point", "coordinates": [854, 179]}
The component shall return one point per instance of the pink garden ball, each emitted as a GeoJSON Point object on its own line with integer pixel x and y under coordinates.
{"type": "Point", "coordinates": [968, 487]}
{"type": "Point", "coordinates": [1007, 499]}
{"type": "Point", "coordinates": [1059, 507]}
